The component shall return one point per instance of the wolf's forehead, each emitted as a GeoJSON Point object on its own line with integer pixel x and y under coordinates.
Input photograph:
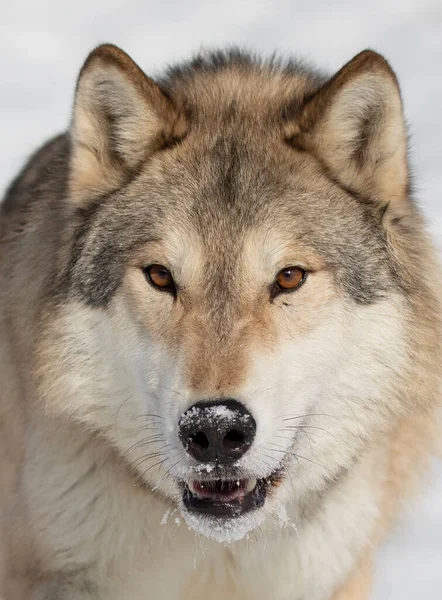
{"type": "Point", "coordinates": [248, 209]}
{"type": "Point", "coordinates": [231, 181]}
{"type": "Point", "coordinates": [246, 89]}
{"type": "Point", "coordinates": [233, 188]}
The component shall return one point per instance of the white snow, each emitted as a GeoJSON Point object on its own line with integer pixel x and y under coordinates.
{"type": "Point", "coordinates": [221, 412]}
{"type": "Point", "coordinates": [42, 45]}
{"type": "Point", "coordinates": [203, 468]}
{"type": "Point", "coordinates": [190, 415]}
{"type": "Point", "coordinates": [224, 531]}
{"type": "Point", "coordinates": [211, 414]}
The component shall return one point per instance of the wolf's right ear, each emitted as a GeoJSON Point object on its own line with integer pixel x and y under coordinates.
{"type": "Point", "coordinates": [120, 118]}
{"type": "Point", "coordinates": [355, 126]}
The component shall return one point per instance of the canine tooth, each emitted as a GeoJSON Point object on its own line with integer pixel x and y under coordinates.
{"type": "Point", "coordinates": [192, 487]}
{"type": "Point", "coordinates": [251, 484]}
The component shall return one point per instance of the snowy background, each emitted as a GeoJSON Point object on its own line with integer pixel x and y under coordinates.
{"type": "Point", "coordinates": [42, 46]}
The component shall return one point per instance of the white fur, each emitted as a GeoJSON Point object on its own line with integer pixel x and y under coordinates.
{"type": "Point", "coordinates": [120, 377]}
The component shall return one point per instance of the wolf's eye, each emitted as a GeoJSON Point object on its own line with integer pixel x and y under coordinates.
{"type": "Point", "coordinates": [289, 279]}
{"type": "Point", "coordinates": [160, 277]}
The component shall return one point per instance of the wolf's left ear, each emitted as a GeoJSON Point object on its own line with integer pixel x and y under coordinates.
{"type": "Point", "coordinates": [355, 126]}
{"type": "Point", "coordinates": [120, 118]}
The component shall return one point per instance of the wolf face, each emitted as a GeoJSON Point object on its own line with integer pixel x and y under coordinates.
{"type": "Point", "coordinates": [235, 318]}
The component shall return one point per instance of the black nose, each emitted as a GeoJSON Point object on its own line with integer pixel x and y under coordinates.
{"type": "Point", "coordinates": [217, 431]}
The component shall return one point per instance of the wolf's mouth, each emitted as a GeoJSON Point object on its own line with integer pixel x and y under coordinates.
{"type": "Point", "coordinates": [225, 497]}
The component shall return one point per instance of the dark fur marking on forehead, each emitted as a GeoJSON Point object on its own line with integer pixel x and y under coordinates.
{"type": "Point", "coordinates": [230, 167]}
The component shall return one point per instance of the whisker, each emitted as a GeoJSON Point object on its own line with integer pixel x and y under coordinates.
{"type": "Point", "coordinates": [311, 461]}
{"type": "Point", "coordinates": [290, 427]}
{"type": "Point", "coordinates": [148, 427]}
{"type": "Point", "coordinates": [266, 464]}
{"type": "Point", "coordinates": [265, 540]}
{"type": "Point", "coordinates": [165, 387]}
{"type": "Point", "coordinates": [297, 456]}
{"type": "Point", "coordinates": [118, 411]}
{"type": "Point", "coordinates": [295, 441]}
{"type": "Point", "coordinates": [169, 469]}
{"type": "Point", "coordinates": [267, 456]}
{"type": "Point", "coordinates": [167, 472]}
{"type": "Point", "coordinates": [147, 416]}
{"type": "Point", "coordinates": [302, 428]}
{"type": "Point", "coordinates": [147, 457]}
{"type": "Point", "coordinates": [144, 443]}
{"type": "Point", "coordinates": [312, 415]}
{"type": "Point", "coordinates": [157, 464]}
{"type": "Point", "coordinates": [347, 402]}
{"type": "Point", "coordinates": [287, 450]}
{"type": "Point", "coordinates": [263, 390]}
{"type": "Point", "coordinates": [284, 437]}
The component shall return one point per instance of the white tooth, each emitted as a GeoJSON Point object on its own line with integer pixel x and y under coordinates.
{"type": "Point", "coordinates": [251, 484]}
{"type": "Point", "coordinates": [191, 485]}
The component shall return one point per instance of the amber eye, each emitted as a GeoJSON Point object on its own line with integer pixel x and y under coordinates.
{"type": "Point", "coordinates": [290, 279]}
{"type": "Point", "coordinates": [160, 277]}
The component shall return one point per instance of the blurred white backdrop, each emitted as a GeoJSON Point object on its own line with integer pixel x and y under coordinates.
{"type": "Point", "coordinates": [42, 46]}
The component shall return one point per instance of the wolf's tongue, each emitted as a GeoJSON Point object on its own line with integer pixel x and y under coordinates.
{"type": "Point", "coordinates": [220, 490]}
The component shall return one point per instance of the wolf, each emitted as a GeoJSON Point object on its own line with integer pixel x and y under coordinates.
{"type": "Point", "coordinates": [220, 335]}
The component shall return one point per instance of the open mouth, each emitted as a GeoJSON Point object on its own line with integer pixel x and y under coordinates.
{"type": "Point", "coordinates": [225, 506]}
{"type": "Point", "coordinates": [225, 497]}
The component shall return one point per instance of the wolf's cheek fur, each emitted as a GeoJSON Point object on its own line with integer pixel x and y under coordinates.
{"type": "Point", "coordinates": [319, 399]}
{"type": "Point", "coordinates": [316, 399]}
{"type": "Point", "coordinates": [105, 374]}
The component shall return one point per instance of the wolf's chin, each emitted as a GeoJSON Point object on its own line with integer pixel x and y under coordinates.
{"type": "Point", "coordinates": [224, 530]}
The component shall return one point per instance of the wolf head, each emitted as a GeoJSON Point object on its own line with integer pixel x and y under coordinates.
{"type": "Point", "coordinates": [242, 291]}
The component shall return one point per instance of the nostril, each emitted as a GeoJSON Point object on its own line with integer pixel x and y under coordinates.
{"type": "Point", "coordinates": [199, 439]}
{"type": "Point", "coordinates": [233, 439]}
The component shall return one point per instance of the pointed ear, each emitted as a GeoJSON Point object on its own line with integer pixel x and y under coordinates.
{"type": "Point", "coordinates": [355, 126]}
{"type": "Point", "coordinates": [120, 117]}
